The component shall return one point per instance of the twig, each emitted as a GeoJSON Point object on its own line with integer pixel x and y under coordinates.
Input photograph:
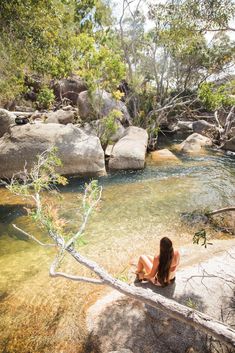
{"type": "Point", "coordinates": [32, 237]}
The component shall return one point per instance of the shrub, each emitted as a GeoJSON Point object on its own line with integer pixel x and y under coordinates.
{"type": "Point", "coordinates": [45, 98]}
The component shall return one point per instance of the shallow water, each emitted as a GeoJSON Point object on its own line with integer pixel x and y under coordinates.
{"type": "Point", "coordinates": [39, 314]}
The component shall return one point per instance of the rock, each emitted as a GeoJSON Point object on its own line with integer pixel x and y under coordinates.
{"type": "Point", "coordinates": [122, 350]}
{"type": "Point", "coordinates": [194, 143]}
{"type": "Point", "coordinates": [137, 325]}
{"type": "Point", "coordinates": [230, 145]}
{"type": "Point", "coordinates": [163, 155]}
{"type": "Point", "coordinates": [60, 117]}
{"type": "Point", "coordinates": [68, 108]}
{"type": "Point", "coordinates": [80, 154]}
{"type": "Point", "coordinates": [23, 108]}
{"type": "Point", "coordinates": [129, 152]}
{"type": "Point", "coordinates": [97, 128]}
{"type": "Point", "coordinates": [183, 126]}
{"type": "Point", "coordinates": [37, 116]}
{"type": "Point", "coordinates": [69, 88]}
{"type": "Point", "coordinates": [6, 120]}
{"type": "Point", "coordinates": [205, 128]}
{"type": "Point", "coordinates": [108, 150]}
{"type": "Point", "coordinates": [232, 132]}
{"type": "Point", "coordinates": [100, 105]}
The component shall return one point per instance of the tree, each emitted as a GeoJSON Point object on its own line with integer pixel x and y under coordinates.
{"type": "Point", "coordinates": [42, 177]}
{"type": "Point", "coordinates": [53, 39]}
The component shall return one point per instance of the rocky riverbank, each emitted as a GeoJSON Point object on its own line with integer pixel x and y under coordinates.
{"type": "Point", "coordinates": [93, 135]}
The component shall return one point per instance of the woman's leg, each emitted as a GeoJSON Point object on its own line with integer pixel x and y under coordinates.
{"type": "Point", "coordinates": [145, 264]}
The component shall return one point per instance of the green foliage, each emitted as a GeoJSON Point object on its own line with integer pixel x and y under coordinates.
{"type": "Point", "coordinates": [191, 304]}
{"type": "Point", "coordinates": [46, 38]}
{"type": "Point", "coordinates": [92, 15]}
{"type": "Point", "coordinates": [99, 65]}
{"type": "Point", "coordinates": [110, 126]}
{"type": "Point", "coordinates": [201, 236]}
{"type": "Point", "coordinates": [41, 176]}
{"type": "Point", "coordinates": [215, 97]}
{"type": "Point", "coordinates": [45, 98]}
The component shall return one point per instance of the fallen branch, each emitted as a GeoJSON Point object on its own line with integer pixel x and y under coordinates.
{"type": "Point", "coordinates": [221, 210]}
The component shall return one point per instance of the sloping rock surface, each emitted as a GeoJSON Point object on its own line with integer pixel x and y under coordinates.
{"type": "Point", "coordinates": [80, 154]}
{"type": "Point", "coordinates": [129, 152]}
{"type": "Point", "coordinates": [116, 321]}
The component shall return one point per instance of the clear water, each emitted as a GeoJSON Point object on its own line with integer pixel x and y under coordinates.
{"type": "Point", "coordinates": [39, 314]}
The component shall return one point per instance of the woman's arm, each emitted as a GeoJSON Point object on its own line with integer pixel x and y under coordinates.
{"type": "Point", "coordinates": [177, 260]}
{"type": "Point", "coordinates": [153, 271]}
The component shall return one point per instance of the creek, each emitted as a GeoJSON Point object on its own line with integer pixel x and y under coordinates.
{"type": "Point", "coordinates": [39, 314]}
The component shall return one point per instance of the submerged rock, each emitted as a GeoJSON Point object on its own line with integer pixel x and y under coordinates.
{"type": "Point", "coordinates": [163, 155]}
{"type": "Point", "coordinates": [80, 154]}
{"type": "Point", "coordinates": [194, 143]}
{"type": "Point", "coordinates": [129, 152]}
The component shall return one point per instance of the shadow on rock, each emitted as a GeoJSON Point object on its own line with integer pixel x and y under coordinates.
{"type": "Point", "coordinates": [129, 324]}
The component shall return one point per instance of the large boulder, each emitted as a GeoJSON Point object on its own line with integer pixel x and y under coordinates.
{"type": "Point", "coordinates": [60, 117]}
{"type": "Point", "coordinates": [129, 152]}
{"type": "Point", "coordinates": [194, 143]}
{"type": "Point", "coordinates": [80, 154]}
{"type": "Point", "coordinates": [205, 128]}
{"type": "Point", "coordinates": [69, 88]}
{"type": "Point", "coordinates": [6, 120]}
{"type": "Point", "coordinates": [100, 105]}
{"type": "Point", "coordinates": [230, 145]}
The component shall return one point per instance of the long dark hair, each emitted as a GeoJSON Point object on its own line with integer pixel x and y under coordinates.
{"type": "Point", "coordinates": [165, 259]}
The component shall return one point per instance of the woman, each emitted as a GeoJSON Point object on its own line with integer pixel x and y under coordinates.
{"type": "Point", "coordinates": [161, 268]}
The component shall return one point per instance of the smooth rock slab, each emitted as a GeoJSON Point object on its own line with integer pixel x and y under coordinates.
{"type": "Point", "coordinates": [80, 154]}
{"type": "Point", "coordinates": [129, 152]}
{"type": "Point", "coordinates": [116, 321]}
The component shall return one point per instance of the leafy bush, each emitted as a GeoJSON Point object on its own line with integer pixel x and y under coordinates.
{"type": "Point", "coordinates": [110, 126]}
{"type": "Point", "coordinates": [216, 97]}
{"type": "Point", "coordinates": [45, 98]}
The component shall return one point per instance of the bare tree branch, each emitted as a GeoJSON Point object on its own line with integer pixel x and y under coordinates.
{"type": "Point", "coordinates": [221, 210]}
{"type": "Point", "coordinates": [32, 237]}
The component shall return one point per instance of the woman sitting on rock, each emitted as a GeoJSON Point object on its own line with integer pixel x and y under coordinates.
{"type": "Point", "coordinates": [160, 269]}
